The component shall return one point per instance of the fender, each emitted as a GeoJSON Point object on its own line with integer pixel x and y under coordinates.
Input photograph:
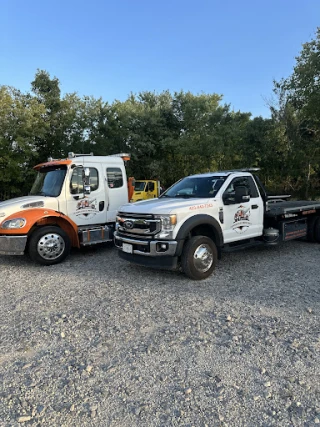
{"type": "Point", "coordinates": [38, 217]}
{"type": "Point", "coordinates": [195, 221]}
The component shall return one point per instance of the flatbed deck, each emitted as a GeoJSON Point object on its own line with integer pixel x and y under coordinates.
{"type": "Point", "coordinates": [283, 208]}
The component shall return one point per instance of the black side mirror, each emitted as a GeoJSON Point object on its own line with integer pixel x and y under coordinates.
{"type": "Point", "coordinates": [229, 198]}
{"type": "Point", "coordinates": [241, 194]}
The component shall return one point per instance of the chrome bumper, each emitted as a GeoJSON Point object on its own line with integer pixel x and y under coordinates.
{"type": "Point", "coordinates": [12, 245]}
{"type": "Point", "coordinates": [150, 245]}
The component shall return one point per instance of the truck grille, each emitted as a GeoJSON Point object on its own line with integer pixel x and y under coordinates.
{"type": "Point", "coordinates": [138, 224]}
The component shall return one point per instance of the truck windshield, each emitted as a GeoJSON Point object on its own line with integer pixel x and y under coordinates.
{"type": "Point", "coordinates": [49, 181]}
{"type": "Point", "coordinates": [196, 187]}
{"type": "Point", "coordinates": [139, 186]}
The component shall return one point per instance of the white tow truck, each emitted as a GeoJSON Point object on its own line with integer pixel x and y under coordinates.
{"type": "Point", "coordinates": [73, 203]}
{"type": "Point", "coordinates": [201, 216]}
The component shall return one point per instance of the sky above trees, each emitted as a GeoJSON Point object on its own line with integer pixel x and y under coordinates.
{"type": "Point", "coordinates": [109, 49]}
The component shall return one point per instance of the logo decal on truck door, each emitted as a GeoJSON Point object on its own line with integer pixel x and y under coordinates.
{"type": "Point", "coordinates": [241, 219]}
{"type": "Point", "coordinates": [87, 208]}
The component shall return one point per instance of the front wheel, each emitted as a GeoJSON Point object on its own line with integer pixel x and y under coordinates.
{"type": "Point", "coordinates": [199, 257]}
{"type": "Point", "coordinates": [49, 245]}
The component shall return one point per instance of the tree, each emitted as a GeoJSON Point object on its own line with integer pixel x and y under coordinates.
{"type": "Point", "coordinates": [299, 113]}
{"type": "Point", "coordinates": [20, 124]}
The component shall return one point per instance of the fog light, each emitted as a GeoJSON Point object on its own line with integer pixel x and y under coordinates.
{"type": "Point", "coordinates": [162, 247]}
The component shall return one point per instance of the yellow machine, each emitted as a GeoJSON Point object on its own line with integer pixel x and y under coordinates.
{"type": "Point", "coordinates": [145, 189]}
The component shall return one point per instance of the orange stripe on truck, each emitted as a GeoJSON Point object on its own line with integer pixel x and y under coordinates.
{"type": "Point", "coordinates": [39, 217]}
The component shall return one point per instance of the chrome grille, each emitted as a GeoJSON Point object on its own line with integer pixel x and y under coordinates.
{"type": "Point", "coordinates": [138, 224]}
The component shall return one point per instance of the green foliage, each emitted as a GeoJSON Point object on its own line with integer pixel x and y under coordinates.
{"type": "Point", "coordinates": [20, 122]}
{"type": "Point", "coordinates": [298, 116]}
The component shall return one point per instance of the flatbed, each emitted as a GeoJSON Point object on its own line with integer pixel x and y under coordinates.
{"type": "Point", "coordinates": [290, 207]}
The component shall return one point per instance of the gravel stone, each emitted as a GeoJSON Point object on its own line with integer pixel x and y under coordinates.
{"type": "Point", "coordinates": [245, 341]}
{"type": "Point", "coordinates": [24, 419]}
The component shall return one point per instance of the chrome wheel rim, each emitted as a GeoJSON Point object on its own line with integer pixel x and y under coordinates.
{"type": "Point", "coordinates": [51, 246]}
{"type": "Point", "coordinates": [203, 258]}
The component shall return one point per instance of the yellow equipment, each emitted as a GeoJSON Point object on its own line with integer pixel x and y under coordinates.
{"type": "Point", "coordinates": [146, 189]}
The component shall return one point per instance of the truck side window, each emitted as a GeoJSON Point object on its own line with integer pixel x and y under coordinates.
{"type": "Point", "coordinates": [241, 182]}
{"type": "Point", "coordinates": [115, 178]}
{"type": "Point", "coordinates": [150, 186]}
{"type": "Point", "coordinates": [253, 192]}
{"type": "Point", "coordinates": [245, 181]}
{"type": "Point", "coordinates": [76, 183]}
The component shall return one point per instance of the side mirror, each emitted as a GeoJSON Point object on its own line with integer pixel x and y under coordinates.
{"type": "Point", "coordinates": [86, 181]}
{"type": "Point", "coordinates": [229, 198]}
{"type": "Point", "coordinates": [241, 194]}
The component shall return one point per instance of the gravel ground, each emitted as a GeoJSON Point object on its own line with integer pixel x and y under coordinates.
{"type": "Point", "coordinates": [95, 341]}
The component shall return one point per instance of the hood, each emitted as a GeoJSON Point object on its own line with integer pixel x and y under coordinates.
{"type": "Point", "coordinates": [19, 204]}
{"type": "Point", "coordinates": [163, 205]}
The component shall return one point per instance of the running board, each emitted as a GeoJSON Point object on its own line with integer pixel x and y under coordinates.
{"type": "Point", "coordinates": [96, 234]}
{"type": "Point", "coordinates": [249, 243]}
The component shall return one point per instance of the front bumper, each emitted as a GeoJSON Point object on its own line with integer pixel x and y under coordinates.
{"type": "Point", "coordinates": [149, 248]}
{"type": "Point", "coordinates": [12, 245]}
{"type": "Point", "coordinates": [149, 252]}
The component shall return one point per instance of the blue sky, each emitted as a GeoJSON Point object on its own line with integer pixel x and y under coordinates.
{"type": "Point", "coordinates": [111, 48]}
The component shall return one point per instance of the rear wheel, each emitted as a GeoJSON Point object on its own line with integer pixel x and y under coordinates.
{"type": "Point", "coordinates": [49, 245]}
{"type": "Point", "coordinates": [317, 230]}
{"type": "Point", "coordinates": [199, 257]}
{"type": "Point", "coordinates": [312, 226]}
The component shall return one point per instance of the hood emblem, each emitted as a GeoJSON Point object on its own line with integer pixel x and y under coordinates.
{"type": "Point", "coordinates": [128, 225]}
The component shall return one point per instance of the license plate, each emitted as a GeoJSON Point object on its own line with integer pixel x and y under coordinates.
{"type": "Point", "coordinates": [126, 247]}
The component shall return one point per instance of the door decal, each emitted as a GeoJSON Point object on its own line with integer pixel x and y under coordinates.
{"type": "Point", "coordinates": [241, 221]}
{"type": "Point", "coordinates": [86, 208]}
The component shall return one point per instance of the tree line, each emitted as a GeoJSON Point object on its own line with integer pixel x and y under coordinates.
{"type": "Point", "coordinates": [169, 135]}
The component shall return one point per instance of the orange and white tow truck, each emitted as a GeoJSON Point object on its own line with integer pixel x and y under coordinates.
{"type": "Point", "coordinates": [73, 202]}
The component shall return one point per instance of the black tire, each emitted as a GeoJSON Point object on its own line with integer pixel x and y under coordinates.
{"type": "Point", "coordinates": [49, 245]}
{"type": "Point", "coordinates": [199, 257]}
{"type": "Point", "coordinates": [317, 231]}
{"type": "Point", "coordinates": [311, 235]}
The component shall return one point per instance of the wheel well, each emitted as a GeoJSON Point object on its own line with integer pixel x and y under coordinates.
{"type": "Point", "coordinates": [58, 222]}
{"type": "Point", "coordinates": [203, 230]}
{"type": "Point", "coordinates": [208, 231]}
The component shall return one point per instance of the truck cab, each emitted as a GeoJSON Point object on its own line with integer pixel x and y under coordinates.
{"type": "Point", "coordinates": [199, 217]}
{"type": "Point", "coordinates": [73, 202]}
{"type": "Point", "coordinates": [145, 189]}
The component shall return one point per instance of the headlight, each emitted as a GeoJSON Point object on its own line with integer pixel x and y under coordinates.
{"type": "Point", "coordinates": [168, 222]}
{"type": "Point", "coordinates": [14, 223]}
{"type": "Point", "coordinates": [117, 223]}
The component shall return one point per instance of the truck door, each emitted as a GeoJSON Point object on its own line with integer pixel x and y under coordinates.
{"type": "Point", "coordinates": [116, 190]}
{"type": "Point", "coordinates": [151, 190]}
{"type": "Point", "coordinates": [243, 210]}
{"type": "Point", "coordinates": [90, 208]}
